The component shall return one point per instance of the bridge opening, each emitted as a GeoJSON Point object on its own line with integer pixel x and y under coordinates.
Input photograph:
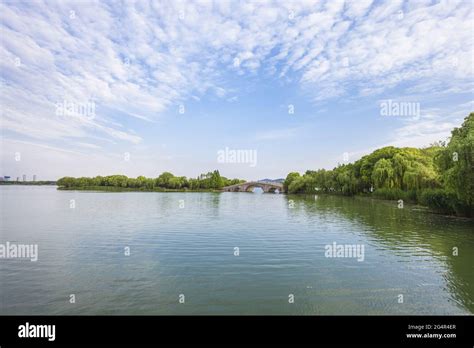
{"type": "Point", "coordinates": [257, 190]}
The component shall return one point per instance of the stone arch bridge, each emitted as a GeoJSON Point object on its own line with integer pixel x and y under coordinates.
{"type": "Point", "coordinates": [248, 186]}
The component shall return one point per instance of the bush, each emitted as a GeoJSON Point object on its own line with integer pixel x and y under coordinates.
{"type": "Point", "coordinates": [440, 200]}
{"type": "Point", "coordinates": [391, 194]}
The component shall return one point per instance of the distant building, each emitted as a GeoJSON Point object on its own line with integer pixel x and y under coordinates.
{"type": "Point", "coordinates": [17, 178]}
{"type": "Point", "coordinates": [6, 177]}
{"type": "Point", "coordinates": [24, 177]}
{"type": "Point", "coordinates": [34, 177]}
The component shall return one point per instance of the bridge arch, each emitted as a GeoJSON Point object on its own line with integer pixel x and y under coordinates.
{"type": "Point", "coordinates": [250, 188]}
{"type": "Point", "coordinates": [267, 187]}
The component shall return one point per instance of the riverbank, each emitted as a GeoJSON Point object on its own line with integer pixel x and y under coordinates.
{"type": "Point", "coordinates": [165, 182]}
{"type": "Point", "coordinates": [410, 204]}
{"type": "Point", "coordinates": [130, 189]}
{"type": "Point", "coordinates": [401, 200]}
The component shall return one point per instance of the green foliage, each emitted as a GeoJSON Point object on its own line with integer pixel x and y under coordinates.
{"type": "Point", "coordinates": [289, 179]}
{"type": "Point", "coordinates": [165, 181]}
{"type": "Point", "coordinates": [67, 181]}
{"type": "Point", "coordinates": [395, 194]}
{"type": "Point", "coordinates": [456, 163]}
{"type": "Point", "coordinates": [439, 200]}
{"type": "Point", "coordinates": [440, 176]}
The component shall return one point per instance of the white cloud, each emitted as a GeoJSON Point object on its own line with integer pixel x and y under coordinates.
{"type": "Point", "coordinates": [148, 56]}
{"type": "Point", "coordinates": [141, 58]}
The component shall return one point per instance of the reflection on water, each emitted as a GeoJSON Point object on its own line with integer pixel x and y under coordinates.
{"type": "Point", "coordinates": [185, 243]}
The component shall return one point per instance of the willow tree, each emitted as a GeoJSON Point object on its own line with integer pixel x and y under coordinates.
{"type": "Point", "coordinates": [456, 162]}
{"type": "Point", "coordinates": [383, 174]}
{"type": "Point", "coordinates": [289, 179]}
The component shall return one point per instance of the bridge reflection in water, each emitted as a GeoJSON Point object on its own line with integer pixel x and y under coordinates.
{"type": "Point", "coordinates": [267, 187]}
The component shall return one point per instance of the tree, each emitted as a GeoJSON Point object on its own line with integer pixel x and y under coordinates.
{"type": "Point", "coordinates": [383, 174]}
{"type": "Point", "coordinates": [216, 181]}
{"type": "Point", "coordinates": [210, 180]}
{"type": "Point", "coordinates": [67, 181]}
{"type": "Point", "coordinates": [164, 179]}
{"type": "Point", "coordinates": [289, 179]}
{"type": "Point", "coordinates": [456, 162]}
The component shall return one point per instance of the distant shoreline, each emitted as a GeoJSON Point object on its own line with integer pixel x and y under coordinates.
{"type": "Point", "coordinates": [130, 189]}
{"type": "Point", "coordinates": [36, 183]}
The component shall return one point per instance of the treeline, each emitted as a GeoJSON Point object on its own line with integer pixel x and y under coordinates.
{"type": "Point", "coordinates": [166, 181]}
{"type": "Point", "coordinates": [440, 176]}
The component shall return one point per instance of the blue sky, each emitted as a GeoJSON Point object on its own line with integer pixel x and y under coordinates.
{"type": "Point", "coordinates": [234, 69]}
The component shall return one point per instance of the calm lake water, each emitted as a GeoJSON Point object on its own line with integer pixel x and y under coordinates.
{"type": "Point", "coordinates": [183, 243]}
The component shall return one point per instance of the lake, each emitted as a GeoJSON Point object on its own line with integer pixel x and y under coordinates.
{"type": "Point", "coordinates": [230, 253]}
